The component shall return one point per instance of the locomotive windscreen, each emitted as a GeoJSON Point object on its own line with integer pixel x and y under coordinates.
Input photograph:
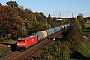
{"type": "Point", "coordinates": [21, 40]}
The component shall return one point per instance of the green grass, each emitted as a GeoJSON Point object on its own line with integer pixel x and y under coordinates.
{"type": "Point", "coordinates": [87, 27]}
{"type": "Point", "coordinates": [9, 40]}
{"type": "Point", "coordinates": [85, 52]}
{"type": "Point", "coordinates": [85, 49]}
{"type": "Point", "coordinates": [87, 30]}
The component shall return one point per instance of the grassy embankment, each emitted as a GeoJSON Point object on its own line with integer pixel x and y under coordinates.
{"type": "Point", "coordinates": [4, 49]}
{"type": "Point", "coordinates": [86, 45]}
{"type": "Point", "coordinates": [87, 27]}
{"type": "Point", "coordinates": [85, 48]}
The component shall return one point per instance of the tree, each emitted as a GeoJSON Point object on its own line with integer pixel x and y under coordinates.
{"type": "Point", "coordinates": [49, 16]}
{"type": "Point", "coordinates": [80, 14]}
{"type": "Point", "coordinates": [56, 51]}
{"type": "Point", "coordinates": [76, 39]}
{"type": "Point", "coordinates": [12, 4]}
{"type": "Point", "coordinates": [81, 21]}
{"type": "Point", "coordinates": [11, 23]}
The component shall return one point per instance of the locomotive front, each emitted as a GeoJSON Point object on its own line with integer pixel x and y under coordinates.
{"type": "Point", "coordinates": [21, 44]}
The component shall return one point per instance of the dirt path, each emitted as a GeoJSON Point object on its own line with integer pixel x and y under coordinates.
{"type": "Point", "coordinates": [86, 38]}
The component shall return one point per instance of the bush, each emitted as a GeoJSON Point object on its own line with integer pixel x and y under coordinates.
{"type": "Point", "coordinates": [4, 50]}
{"type": "Point", "coordinates": [58, 51]}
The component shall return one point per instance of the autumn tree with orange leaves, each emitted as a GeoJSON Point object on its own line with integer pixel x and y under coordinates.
{"type": "Point", "coordinates": [10, 22]}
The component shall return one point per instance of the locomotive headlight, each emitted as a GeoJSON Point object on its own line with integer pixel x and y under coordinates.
{"type": "Point", "coordinates": [23, 44]}
{"type": "Point", "coordinates": [18, 44]}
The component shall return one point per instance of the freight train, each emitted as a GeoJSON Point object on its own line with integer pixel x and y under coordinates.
{"type": "Point", "coordinates": [26, 41]}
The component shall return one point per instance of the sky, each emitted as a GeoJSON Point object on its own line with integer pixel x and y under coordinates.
{"type": "Point", "coordinates": [55, 7]}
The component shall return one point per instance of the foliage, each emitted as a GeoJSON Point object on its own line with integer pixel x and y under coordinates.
{"type": "Point", "coordinates": [76, 39]}
{"type": "Point", "coordinates": [4, 50]}
{"type": "Point", "coordinates": [12, 3]}
{"type": "Point", "coordinates": [81, 21]}
{"type": "Point", "coordinates": [10, 22]}
{"type": "Point", "coordinates": [49, 17]}
{"type": "Point", "coordinates": [58, 51]}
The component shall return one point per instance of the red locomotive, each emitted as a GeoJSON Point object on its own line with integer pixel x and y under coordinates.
{"type": "Point", "coordinates": [26, 41]}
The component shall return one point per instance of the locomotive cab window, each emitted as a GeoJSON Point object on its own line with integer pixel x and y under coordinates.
{"type": "Point", "coordinates": [21, 40]}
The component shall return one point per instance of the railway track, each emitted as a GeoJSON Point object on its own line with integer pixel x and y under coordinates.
{"type": "Point", "coordinates": [33, 51]}
{"type": "Point", "coordinates": [13, 54]}
{"type": "Point", "coordinates": [38, 53]}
